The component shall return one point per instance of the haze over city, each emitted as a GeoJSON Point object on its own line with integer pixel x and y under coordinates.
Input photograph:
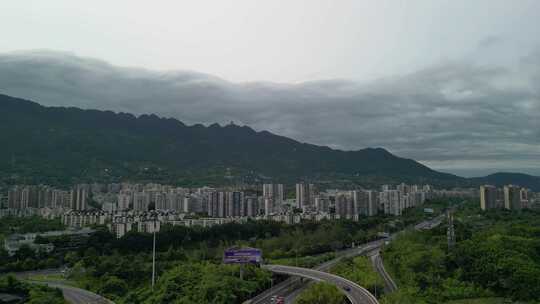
{"type": "Point", "coordinates": [456, 89]}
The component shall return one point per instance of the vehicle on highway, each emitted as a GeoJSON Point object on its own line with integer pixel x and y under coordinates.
{"type": "Point", "coordinates": [277, 300]}
{"type": "Point", "coordinates": [346, 288]}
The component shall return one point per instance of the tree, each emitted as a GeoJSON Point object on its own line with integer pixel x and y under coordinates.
{"type": "Point", "coordinates": [321, 293]}
{"type": "Point", "coordinates": [113, 286]}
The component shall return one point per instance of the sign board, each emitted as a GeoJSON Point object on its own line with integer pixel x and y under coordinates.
{"type": "Point", "coordinates": [242, 256]}
{"type": "Point", "coordinates": [428, 210]}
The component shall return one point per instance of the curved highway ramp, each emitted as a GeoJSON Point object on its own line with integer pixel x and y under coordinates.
{"type": "Point", "coordinates": [354, 292]}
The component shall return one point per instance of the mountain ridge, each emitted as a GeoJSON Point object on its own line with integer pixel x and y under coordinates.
{"type": "Point", "coordinates": [69, 143]}
{"type": "Point", "coordinates": [500, 179]}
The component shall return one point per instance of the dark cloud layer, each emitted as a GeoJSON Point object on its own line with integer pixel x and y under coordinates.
{"type": "Point", "coordinates": [451, 115]}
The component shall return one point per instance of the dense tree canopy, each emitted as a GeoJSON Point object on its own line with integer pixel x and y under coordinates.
{"type": "Point", "coordinates": [32, 294]}
{"type": "Point", "coordinates": [321, 293]}
{"type": "Point", "coordinates": [497, 254]}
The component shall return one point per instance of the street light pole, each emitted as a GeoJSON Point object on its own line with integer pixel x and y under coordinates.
{"type": "Point", "coordinates": [154, 257]}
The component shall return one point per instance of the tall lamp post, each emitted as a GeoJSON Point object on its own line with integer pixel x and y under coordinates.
{"type": "Point", "coordinates": [154, 257]}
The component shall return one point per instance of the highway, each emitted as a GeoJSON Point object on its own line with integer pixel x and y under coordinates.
{"type": "Point", "coordinates": [426, 225]}
{"type": "Point", "coordinates": [376, 259]}
{"type": "Point", "coordinates": [290, 288]}
{"type": "Point", "coordinates": [354, 292]}
{"type": "Point", "coordinates": [72, 295]}
{"type": "Point", "coordinates": [76, 295]}
{"type": "Point", "coordinates": [389, 284]}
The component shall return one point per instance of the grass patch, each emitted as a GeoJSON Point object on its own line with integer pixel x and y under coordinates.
{"type": "Point", "coordinates": [52, 278]}
{"type": "Point", "coordinates": [483, 301]}
{"type": "Point", "coordinates": [305, 261]}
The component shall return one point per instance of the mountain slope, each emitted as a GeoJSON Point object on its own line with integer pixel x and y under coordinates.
{"type": "Point", "coordinates": [504, 178]}
{"type": "Point", "coordinates": [70, 144]}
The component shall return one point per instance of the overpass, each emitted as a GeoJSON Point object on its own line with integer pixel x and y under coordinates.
{"type": "Point", "coordinates": [72, 295]}
{"type": "Point", "coordinates": [292, 287]}
{"type": "Point", "coordinates": [354, 292]}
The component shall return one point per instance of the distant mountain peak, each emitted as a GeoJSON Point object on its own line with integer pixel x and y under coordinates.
{"type": "Point", "coordinates": [87, 141]}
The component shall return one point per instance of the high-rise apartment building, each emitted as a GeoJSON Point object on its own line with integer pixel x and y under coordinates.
{"type": "Point", "coordinates": [372, 202]}
{"type": "Point", "coordinates": [79, 197]}
{"type": "Point", "coordinates": [360, 202]}
{"type": "Point", "coordinates": [488, 197]}
{"type": "Point", "coordinates": [141, 201]}
{"type": "Point", "coordinates": [125, 201]}
{"type": "Point", "coordinates": [213, 204]}
{"type": "Point", "coordinates": [234, 203]}
{"type": "Point", "coordinates": [322, 204]}
{"type": "Point", "coordinates": [252, 206]}
{"type": "Point", "coordinates": [268, 206]}
{"type": "Point", "coordinates": [14, 197]}
{"type": "Point", "coordinates": [305, 195]}
{"type": "Point", "coordinates": [512, 197]}
{"type": "Point", "coordinates": [391, 202]}
{"type": "Point", "coordinates": [344, 205]}
{"type": "Point", "coordinates": [274, 192]}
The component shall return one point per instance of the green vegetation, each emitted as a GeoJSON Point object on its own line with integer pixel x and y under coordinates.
{"type": "Point", "coordinates": [32, 294]}
{"type": "Point", "coordinates": [481, 301]}
{"type": "Point", "coordinates": [358, 270]}
{"type": "Point", "coordinates": [60, 146]}
{"type": "Point", "coordinates": [11, 224]}
{"type": "Point", "coordinates": [26, 259]}
{"type": "Point", "coordinates": [303, 261]}
{"type": "Point", "coordinates": [54, 277]}
{"type": "Point", "coordinates": [121, 268]}
{"type": "Point", "coordinates": [203, 283]}
{"type": "Point", "coordinates": [361, 271]}
{"type": "Point", "coordinates": [321, 293]}
{"type": "Point", "coordinates": [497, 254]}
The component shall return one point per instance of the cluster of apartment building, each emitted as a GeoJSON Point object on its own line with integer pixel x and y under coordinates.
{"type": "Point", "coordinates": [42, 196]}
{"type": "Point", "coordinates": [127, 206]}
{"type": "Point", "coordinates": [509, 197]}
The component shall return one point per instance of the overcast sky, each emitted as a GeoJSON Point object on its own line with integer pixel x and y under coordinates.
{"type": "Point", "coordinates": [453, 84]}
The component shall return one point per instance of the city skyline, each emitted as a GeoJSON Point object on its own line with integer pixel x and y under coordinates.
{"type": "Point", "coordinates": [270, 151]}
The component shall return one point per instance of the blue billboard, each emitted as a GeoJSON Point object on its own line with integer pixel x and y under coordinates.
{"type": "Point", "coordinates": [237, 255]}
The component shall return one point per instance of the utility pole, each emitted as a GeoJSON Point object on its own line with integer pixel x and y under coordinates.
{"type": "Point", "coordinates": [154, 257]}
{"type": "Point", "coordinates": [450, 233]}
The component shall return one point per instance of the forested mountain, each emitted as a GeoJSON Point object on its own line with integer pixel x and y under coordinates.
{"type": "Point", "coordinates": [503, 178]}
{"type": "Point", "coordinates": [57, 145]}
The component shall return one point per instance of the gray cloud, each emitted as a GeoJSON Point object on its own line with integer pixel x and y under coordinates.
{"type": "Point", "coordinates": [450, 115]}
{"type": "Point", "coordinates": [490, 41]}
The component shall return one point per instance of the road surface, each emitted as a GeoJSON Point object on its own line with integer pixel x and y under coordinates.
{"type": "Point", "coordinates": [71, 294]}
{"type": "Point", "coordinates": [76, 295]}
{"type": "Point", "coordinates": [426, 225]}
{"type": "Point", "coordinates": [290, 288]}
{"type": "Point", "coordinates": [376, 260]}
{"type": "Point", "coordinates": [354, 292]}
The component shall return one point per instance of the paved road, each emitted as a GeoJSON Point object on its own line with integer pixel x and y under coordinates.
{"type": "Point", "coordinates": [78, 296]}
{"type": "Point", "coordinates": [291, 288]}
{"type": "Point", "coordinates": [389, 284]}
{"type": "Point", "coordinates": [426, 225]}
{"type": "Point", "coordinates": [354, 292]}
{"type": "Point", "coordinates": [72, 294]}
{"type": "Point", "coordinates": [376, 259]}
